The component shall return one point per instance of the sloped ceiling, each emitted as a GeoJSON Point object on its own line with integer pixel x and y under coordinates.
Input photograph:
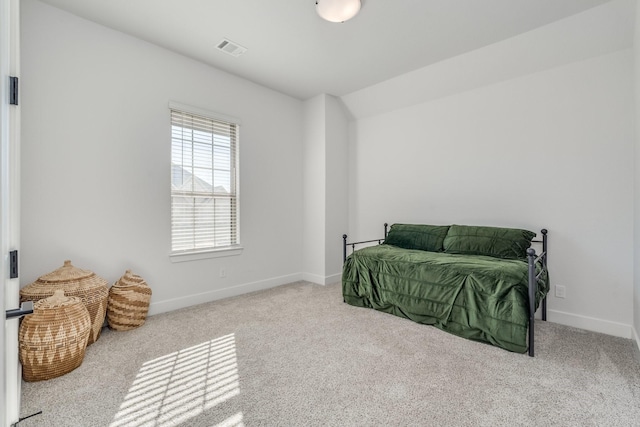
{"type": "Point", "coordinates": [292, 50]}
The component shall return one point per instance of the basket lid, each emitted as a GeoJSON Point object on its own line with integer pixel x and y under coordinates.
{"type": "Point", "coordinates": [57, 300]}
{"type": "Point", "coordinates": [130, 279]}
{"type": "Point", "coordinates": [74, 281]}
{"type": "Point", "coordinates": [66, 273]}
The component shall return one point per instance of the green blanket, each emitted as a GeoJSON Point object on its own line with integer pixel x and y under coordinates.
{"type": "Point", "coordinates": [476, 297]}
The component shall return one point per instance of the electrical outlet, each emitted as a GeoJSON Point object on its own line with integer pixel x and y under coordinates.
{"type": "Point", "coordinates": [223, 272]}
{"type": "Point", "coordinates": [561, 291]}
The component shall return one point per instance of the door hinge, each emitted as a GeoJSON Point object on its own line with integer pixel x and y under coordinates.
{"type": "Point", "coordinates": [13, 90]}
{"type": "Point", "coordinates": [13, 265]}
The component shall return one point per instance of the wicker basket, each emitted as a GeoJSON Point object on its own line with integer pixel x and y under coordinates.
{"type": "Point", "coordinates": [53, 339]}
{"type": "Point", "coordinates": [128, 303]}
{"type": "Point", "coordinates": [75, 282]}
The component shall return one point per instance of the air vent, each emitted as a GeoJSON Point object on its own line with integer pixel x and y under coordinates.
{"type": "Point", "coordinates": [232, 48]}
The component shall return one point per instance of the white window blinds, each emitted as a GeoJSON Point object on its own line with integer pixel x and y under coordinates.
{"type": "Point", "coordinates": [204, 205]}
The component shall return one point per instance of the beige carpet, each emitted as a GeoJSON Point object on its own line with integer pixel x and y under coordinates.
{"type": "Point", "coordinates": [296, 355]}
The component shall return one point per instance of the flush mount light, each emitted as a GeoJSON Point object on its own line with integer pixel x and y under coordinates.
{"type": "Point", "coordinates": [337, 10]}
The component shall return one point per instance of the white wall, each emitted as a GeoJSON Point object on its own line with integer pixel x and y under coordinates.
{"type": "Point", "coordinates": [96, 161]}
{"type": "Point", "coordinates": [337, 186]}
{"type": "Point", "coordinates": [636, 299]}
{"type": "Point", "coordinates": [325, 187]}
{"type": "Point", "coordinates": [314, 160]}
{"type": "Point", "coordinates": [476, 156]}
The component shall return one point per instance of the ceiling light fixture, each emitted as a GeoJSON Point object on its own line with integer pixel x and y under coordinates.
{"type": "Point", "coordinates": [337, 10]}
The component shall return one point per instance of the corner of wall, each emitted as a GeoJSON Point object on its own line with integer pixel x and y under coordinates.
{"type": "Point", "coordinates": [321, 280]}
{"type": "Point", "coordinates": [313, 160]}
{"type": "Point", "coordinates": [636, 288]}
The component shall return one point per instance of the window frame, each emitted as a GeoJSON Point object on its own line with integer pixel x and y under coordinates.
{"type": "Point", "coordinates": [208, 252]}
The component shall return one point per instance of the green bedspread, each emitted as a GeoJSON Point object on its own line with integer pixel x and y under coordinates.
{"type": "Point", "coordinates": [476, 297]}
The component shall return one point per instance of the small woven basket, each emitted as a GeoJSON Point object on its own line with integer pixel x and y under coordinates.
{"type": "Point", "coordinates": [128, 303]}
{"type": "Point", "coordinates": [92, 290]}
{"type": "Point", "coordinates": [53, 339]}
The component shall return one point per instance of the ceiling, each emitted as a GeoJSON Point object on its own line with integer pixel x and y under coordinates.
{"type": "Point", "coordinates": [292, 50]}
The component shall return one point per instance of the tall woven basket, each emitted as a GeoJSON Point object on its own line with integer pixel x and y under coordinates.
{"type": "Point", "coordinates": [129, 300]}
{"type": "Point", "coordinates": [53, 339]}
{"type": "Point", "coordinates": [90, 288]}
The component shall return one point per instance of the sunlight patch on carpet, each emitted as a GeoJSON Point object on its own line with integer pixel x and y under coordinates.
{"type": "Point", "coordinates": [233, 421]}
{"type": "Point", "coordinates": [176, 387]}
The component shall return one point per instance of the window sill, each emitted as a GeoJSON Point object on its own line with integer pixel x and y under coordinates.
{"type": "Point", "coordinates": [206, 254]}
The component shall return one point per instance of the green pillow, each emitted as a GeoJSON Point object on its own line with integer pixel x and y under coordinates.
{"type": "Point", "coordinates": [417, 236]}
{"type": "Point", "coordinates": [508, 243]}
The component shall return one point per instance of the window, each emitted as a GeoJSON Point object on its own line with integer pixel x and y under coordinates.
{"type": "Point", "coordinates": [204, 196]}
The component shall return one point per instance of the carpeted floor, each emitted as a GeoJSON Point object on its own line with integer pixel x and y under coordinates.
{"type": "Point", "coordinates": [296, 355]}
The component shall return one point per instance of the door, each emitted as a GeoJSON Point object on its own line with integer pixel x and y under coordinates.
{"type": "Point", "coordinates": [9, 211]}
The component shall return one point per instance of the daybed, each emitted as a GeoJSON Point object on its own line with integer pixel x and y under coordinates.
{"type": "Point", "coordinates": [481, 283]}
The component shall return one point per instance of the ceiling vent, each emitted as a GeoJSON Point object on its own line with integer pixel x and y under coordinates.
{"type": "Point", "coordinates": [232, 48]}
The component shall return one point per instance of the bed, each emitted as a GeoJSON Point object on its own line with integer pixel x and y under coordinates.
{"type": "Point", "coordinates": [480, 283]}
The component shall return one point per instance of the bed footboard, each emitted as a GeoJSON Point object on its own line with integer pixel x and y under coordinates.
{"type": "Point", "coordinates": [346, 244]}
{"type": "Point", "coordinates": [534, 277]}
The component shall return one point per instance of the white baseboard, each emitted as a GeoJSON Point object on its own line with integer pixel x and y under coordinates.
{"type": "Point", "coordinates": [232, 291]}
{"type": "Point", "coordinates": [334, 278]}
{"type": "Point", "coordinates": [591, 324]}
{"type": "Point", "coordinates": [636, 338]}
{"type": "Point", "coordinates": [321, 280]}
{"type": "Point", "coordinates": [313, 278]}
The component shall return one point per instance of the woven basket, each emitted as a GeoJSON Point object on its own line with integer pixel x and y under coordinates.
{"type": "Point", "coordinates": [128, 303]}
{"type": "Point", "coordinates": [75, 282]}
{"type": "Point", "coordinates": [53, 339]}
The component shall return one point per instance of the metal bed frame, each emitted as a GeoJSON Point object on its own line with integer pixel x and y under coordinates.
{"type": "Point", "coordinates": [533, 276]}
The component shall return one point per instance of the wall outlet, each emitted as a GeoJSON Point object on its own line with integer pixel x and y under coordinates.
{"type": "Point", "coordinates": [223, 272]}
{"type": "Point", "coordinates": [561, 291]}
